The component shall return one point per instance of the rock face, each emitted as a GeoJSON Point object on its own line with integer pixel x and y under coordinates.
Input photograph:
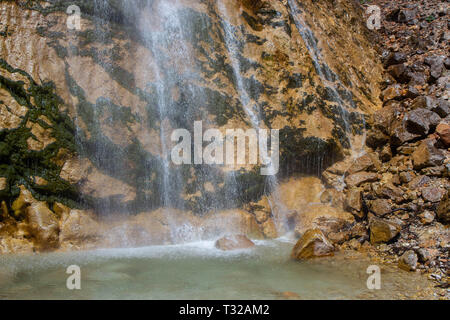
{"type": "Point", "coordinates": [311, 245]}
{"type": "Point", "coordinates": [84, 124]}
{"type": "Point", "coordinates": [43, 225]}
{"type": "Point", "coordinates": [234, 242]}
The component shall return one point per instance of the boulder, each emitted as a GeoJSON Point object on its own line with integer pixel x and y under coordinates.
{"type": "Point", "coordinates": [325, 218]}
{"type": "Point", "coordinates": [443, 210]}
{"type": "Point", "coordinates": [78, 226]}
{"type": "Point", "coordinates": [269, 229]}
{"type": "Point", "coordinates": [408, 261]}
{"type": "Point", "coordinates": [436, 64]}
{"type": "Point", "coordinates": [399, 72]}
{"type": "Point", "coordinates": [363, 163]}
{"type": "Point", "coordinates": [432, 193]}
{"type": "Point", "coordinates": [380, 207]}
{"type": "Point", "coordinates": [312, 244]}
{"type": "Point", "coordinates": [382, 230]}
{"type": "Point", "coordinates": [394, 58]}
{"type": "Point", "coordinates": [234, 242]}
{"type": "Point", "coordinates": [43, 225]}
{"type": "Point", "coordinates": [427, 155]}
{"type": "Point", "coordinates": [423, 102]}
{"type": "Point", "coordinates": [353, 201]}
{"type": "Point", "coordinates": [443, 131]}
{"type": "Point", "coordinates": [400, 133]}
{"type": "Point", "coordinates": [359, 178]}
{"type": "Point", "coordinates": [442, 108]}
{"type": "Point", "coordinates": [421, 121]}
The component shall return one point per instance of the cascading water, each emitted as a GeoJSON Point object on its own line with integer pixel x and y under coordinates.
{"type": "Point", "coordinates": [177, 93]}
{"type": "Point", "coordinates": [327, 76]}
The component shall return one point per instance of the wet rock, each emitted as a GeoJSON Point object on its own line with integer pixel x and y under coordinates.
{"type": "Point", "coordinates": [325, 218]}
{"type": "Point", "coordinates": [78, 227]}
{"type": "Point", "coordinates": [380, 207]}
{"type": "Point", "coordinates": [432, 193]}
{"type": "Point", "coordinates": [408, 261]}
{"type": "Point", "coordinates": [43, 225]}
{"type": "Point", "coordinates": [443, 210]}
{"type": "Point", "coordinates": [363, 163]}
{"type": "Point", "coordinates": [353, 200]}
{"type": "Point", "coordinates": [269, 229]}
{"type": "Point", "coordinates": [421, 121]}
{"type": "Point", "coordinates": [333, 197]}
{"type": "Point", "coordinates": [22, 202]}
{"type": "Point", "coordinates": [312, 244]}
{"type": "Point", "coordinates": [382, 230]}
{"type": "Point", "coordinates": [427, 155]}
{"type": "Point", "coordinates": [234, 242]}
{"type": "Point", "coordinates": [261, 216]}
{"type": "Point", "coordinates": [359, 178]}
{"type": "Point", "coordinates": [11, 245]}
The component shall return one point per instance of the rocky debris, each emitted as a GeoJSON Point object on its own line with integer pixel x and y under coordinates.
{"type": "Point", "coordinates": [443, 131]}
{"type": "Point", "coordinates": [432, 193]}
{"type": "Point", "coordinates": [383, 230]}
{"type": "Point", "coordinates": [408, 261]}
{"type": "Point", "coordinates": [443, 211]}
{"type": "Point", "coordinates": [326, 218]}
{"type": "Point", "coordinates": [312, 244]}
{"type": "Point", "coordinates": [421, 121]}
{"type": "Point", "coordinates": [358, 178]}
{"type": "Point", "coordinates": [381, 207]}
{"type": "Point", "coordinates": [234, 242]}
{"type": "Point", "coordinates": [427, 155]}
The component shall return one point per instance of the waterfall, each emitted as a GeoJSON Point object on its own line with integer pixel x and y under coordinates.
{"type": "Point", "coordinates": [251, 108]}
{"type": "Point", "coordinates": [327, 76]}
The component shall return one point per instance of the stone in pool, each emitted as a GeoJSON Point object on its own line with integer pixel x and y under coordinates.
{"type": "Point", "coordinates": [312, 244]}
{"type": "Point", "coordinates": [234, 242]}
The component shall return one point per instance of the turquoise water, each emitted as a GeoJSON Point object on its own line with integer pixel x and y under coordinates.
{"type": "Point", "coordinates": [197, 271]}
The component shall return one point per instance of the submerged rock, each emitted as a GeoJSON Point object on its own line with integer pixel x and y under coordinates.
{"type": "Point", "coordinates": [234, 242]}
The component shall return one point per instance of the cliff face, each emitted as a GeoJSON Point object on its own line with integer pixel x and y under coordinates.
{"type": "Point", "coordinates": [86, 115]}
